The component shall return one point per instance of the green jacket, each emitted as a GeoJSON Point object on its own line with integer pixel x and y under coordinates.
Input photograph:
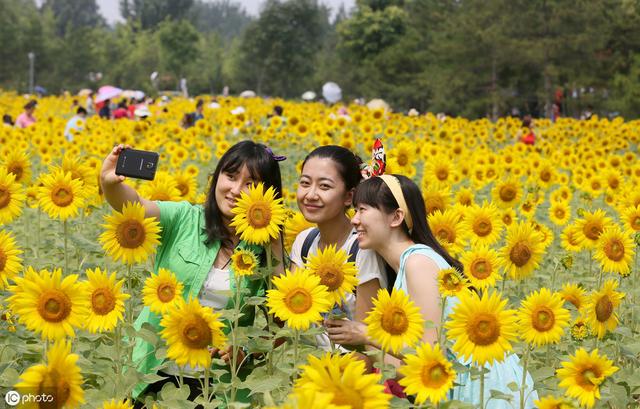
{"type": "Point", "coordinates": [183, 251]}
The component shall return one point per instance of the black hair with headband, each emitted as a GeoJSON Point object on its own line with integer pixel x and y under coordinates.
{"type": "Point", "coordinates": [376, 193]}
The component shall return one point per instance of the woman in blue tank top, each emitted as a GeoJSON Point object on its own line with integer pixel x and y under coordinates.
{"type": "Point", "coordinates": [391, 219]}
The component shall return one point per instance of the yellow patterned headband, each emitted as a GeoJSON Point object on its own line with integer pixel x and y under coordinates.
{"type": "Point", "coordinates": [393, 184]}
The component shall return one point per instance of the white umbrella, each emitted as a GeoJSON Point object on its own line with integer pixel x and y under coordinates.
{"type": "Point", "coordinates": [248, 94]}
{"type": "Point", "coordinates": [377, 104]}
{"type": "Point", "coordinates": [331, 92]}
{"type": "Point", "coordinates": [107, 92]}
{"type": "Point", "coordinates": [84, 92]}
{"type": "Point", "coordinates": [309, 96]}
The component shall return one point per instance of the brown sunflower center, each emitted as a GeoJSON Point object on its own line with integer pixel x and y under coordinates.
{"type": "Point", "coordinates": [394, 320]}
{"type": "Point", "coordinates": [130, 234]}
{"type": "Point", "coordinates": [3, 260]}
{"type": "Point", "coordinates": [613, 182]}
{"type": "Point", "coordinates": [451, 282]}
{"type": "Point", "coordinates": [588, 378]}
{"type": "Point", "coordinates": [592, 230]}
{"type": "Point", "coordinates": [54, 306]}
{"type": "Point", "coordinates": [483, 329]}
{"type": "Point", "coordinates": [5, 197]}
{"type": "Point", "coordinates": [520, 254]}
{"type": "Point", "coordinates": [16, 169]}
{"type": "Point", "coordinates": [403, 159]}
{"type": "Point", "coordinates": [433, 203]}
{"type": "Point", "coordinates": [573, 300]}
{"type": "Point", "coordinates": [54, 384]}
{"type": "Point", "coordinates": [434, 375]}
{"type": "Point", "coordinates": [299, 301]}
{"type": "Point", "coordinates": [507, 193]}
{"type": "Point", "coordinates": [604, 308]}
{"type": "Point", "coordinates": [446, 234]}
{"type": "Point", "coordinates": [480, 268]}
{"type": "Point", "coordinates": [506, 219]}
{"type": "Point", "coordinates": [442, 174]}
{"type": "Point", "coordinates": [465, 200]}
{"type": "Point", "coordinates": [542, 319]}
{"type": "Point", "coordinates": [183, 188]}
{"type": "Point", "coordinates": [614, 249]}
{"type": "Point", "coordinates": [559, 212]}
{"type": "Point", "coordinates": [103, 301]}
{"type": "Point", "coordinates": [635, 223]}
{"type": "Point", "coordinates": [166, 292]}
{"type": "Point", "coordinates": [61, 196]}
{"type": "Point", "coordinates": [545, 175]}
{"type": "Point", "coordinates": [244, 262]}
{"type": "Point", "coordinates": [259, 215]}
{"type": "Point", "coordinates": [196, 333]}
{"type": "Point", "coordinates": [331, 276]}
{"type": "Point", "coordinates": [482, 227]}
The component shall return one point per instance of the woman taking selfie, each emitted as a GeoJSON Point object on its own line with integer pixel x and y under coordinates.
{"type": "Point", "coordinates": [196, 244]}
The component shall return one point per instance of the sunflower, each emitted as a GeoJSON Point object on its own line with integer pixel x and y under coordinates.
{"type": "Point", "coordinates": [542, 318]}
{"type": "Point", "coordinates": [583, 374]}
{"type": "Point", "coordinates": [61, 196]}
{"type": "Point", "coordinates": [559, 213]}
{"type": "Point", "coordinates": [481, 266]}
{"type": "Point", "coordinates": [394, 321]}
{"type": "Point", "coordinates": [579, 329]}
{"type": "Point", "coordinates": [546, 234]}
{"type": "Point", "coordinates": [105, 299]}
{"type": "Point", "coordinates": [428, 374]}
{"type": "Point", "coordinates": [17, 162]}
{"type": "Point", "coordinates": [447, 230]}
{"type": "Point", "coordinates": [162, 291]}
{"type": "Point", "coordinates": [569, 238]}
{"type": "Point", "coordinates": [129, 236]}
{"type": "Point", "coordinates": [591, 226]}
{"type": "Point", "coordinates": [483, 224]}
{"type": "Point", "coordinates": [258, 215]}
{"type": "Point", "coordinates": [60, 378]}
{"type": "Point", "coordinates": [507, 193]}
{"type": "Point", "coordinates": [600, 308]}
{"type": "Point", "coordinates": [189, 330]}
{"type": "Point", "coordinates": [162, 187]}
{"type": "Point", "coordinates": [335, 272]}
{"type": "Point", "coordinates": [243, 262]}
{"type": "Point", "coordinates": [346, 378]}
{"type": "Point", "coordinates": [298, 299]}
{"type": "Point", "coordinates": [10, 261]}
{"type": "Point", "coordinates": [294, 225]}
{"type": "Point", "coordinates": [116, 404]}
{"type": "Point", "coordinates": [528, 208]}
{"type": "Point", "coordinates": [187, 185]}
{"type": "Point", "coordinates": [435, 198]}
{"type": "Point", "coordinates": [451, 282]}
{"type": "Point", "coordinates": [551, 402]}
{"type": "Point", "coordinates": [631, 218]}
{"type": "Point", "coordinates": [615, 251]}
{"type": "Point", "coordinates": [481, 327]}
{"type": "Point", "coordinates": [48, 304]}
{"type": "Point", "coordinates": [309, 399]}
{"type": "Point", "coordinates": [574, 294]}
{"type": "Point", "coordinates": [508, 217]}
{"type": "Point", "coordinates": [464, 196]}
{"type": "Point", "coordinates": [11, 197]}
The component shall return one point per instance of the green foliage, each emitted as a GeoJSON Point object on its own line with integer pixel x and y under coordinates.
{"type": "Point", "coordinates": [178, 43]}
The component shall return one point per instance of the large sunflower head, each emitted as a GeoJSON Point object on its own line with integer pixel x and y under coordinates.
{"type": "Point", "coordinates": [483, 224]}
{"type": "Point", "coordinates": [189, 330]}
{"type": "Point", "coordinates": [345, 377]}
{"type": "Point", "coordinates": [451, 282]}
{"type": "Point", "coordinates": [631, 218]}
{"type": "Point", "coordinates": [11, 197]}
{"type": "Point", "coordinates": [129, 236]}
{"type": "Point", "coordinates": [591, 226]}
{"type": "Point", "coordinates": [243, 262]}
{"type": "Point", "coordinates": [259, 216]}
{"type": "Point", "coordinates": [601, 307]}
{"type": "Point", "coordinates": [507, 193]}
{"type": "Point", "coordinates": [59, 378]}
{"type": "Point", "coordinates": [482, 327]}
{"type": "Point", "coordinates": [105, 300]}
{"type": "Point", "coordinates": [427, 374]}
{"type": "Point", "coordinates": [48, 304]}
{"type": "Point", "coordinates": [614, 251]}
{"type": "Point", "coordinates": [17, 162]}
{"type": "Point", "coordinates": [394, 321]}
{"type": "Point", "coordinates": [574, 294]}
{"type": "Point", "coordinates": [559, 213]}
{"type": "Point", "coordinates": [542, 318]}
{"type": "Point", "coordinates": [299, 299]}
{"type": "Point", "coordinates": [162, 291]}
{"type": "Point", "coordinates": [335, 271]}
{"type": "Point", "coordinates": [60, 195]}
{"type": "Point", "coordinates": [583, 374]}
{"type": "Point", "coordinates": [523, 251]}
{"type": "Point", "coordinates": [10, 261]}
{"type": "Point", "coordinates": [481, 266]}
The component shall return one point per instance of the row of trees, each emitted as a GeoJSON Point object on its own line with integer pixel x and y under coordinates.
{"type": "Point", "coordinates": [466, 57]}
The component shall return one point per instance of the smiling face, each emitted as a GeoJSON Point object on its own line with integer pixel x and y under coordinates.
{"type": "Point", "coordinates": [373, 226]}
{"type": "Point", "coordinates": [322, 195]}
{"type": "Point", "coordinates": [229, 187]}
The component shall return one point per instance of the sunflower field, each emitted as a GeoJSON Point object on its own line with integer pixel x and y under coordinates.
{"type": "Point", "coordinates": [548, 236]}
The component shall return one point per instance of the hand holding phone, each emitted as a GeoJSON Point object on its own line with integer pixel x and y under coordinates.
{"type": "Point", "coordinates": [137, 164]}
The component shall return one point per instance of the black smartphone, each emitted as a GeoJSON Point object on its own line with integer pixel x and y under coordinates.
{"type": "Point", "coordinates": [137, 164]}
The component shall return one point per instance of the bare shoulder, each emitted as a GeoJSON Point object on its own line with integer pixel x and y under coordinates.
{"type": "Point", "coordinates": [420, 264]}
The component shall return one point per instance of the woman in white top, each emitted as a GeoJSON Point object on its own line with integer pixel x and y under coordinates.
{"type": "Point", "coordinates": [327, 183]}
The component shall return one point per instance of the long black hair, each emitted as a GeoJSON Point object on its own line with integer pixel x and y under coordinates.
{"type": "Point", "coordinates": [261, 165]}
{"type": "Point", "coordinates": [375, 193]}
{"type": "Point", "coordinates": [347, 163]}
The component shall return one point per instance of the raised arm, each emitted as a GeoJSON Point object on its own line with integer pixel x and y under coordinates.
{"type": "Point", "coordinates": [117, 193]}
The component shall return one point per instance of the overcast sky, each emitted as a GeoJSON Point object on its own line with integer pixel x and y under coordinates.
{"type": "Point", "coordinates": [110, 8]}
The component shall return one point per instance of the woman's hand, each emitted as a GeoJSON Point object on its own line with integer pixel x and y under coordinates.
{"type": "Point", "coordinates": [347, 332]}
{"type": "Point", "coordinates": [227, 354]}
{"type": "Point", "coordinates": [108, 175]}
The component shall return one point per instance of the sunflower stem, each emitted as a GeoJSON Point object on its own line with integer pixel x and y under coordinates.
{"type": "Point", "coordinates": [234, 340]}
{"type": "Point", "coordinates": [207, 373]}
{"type": "Point", "coordinates": [481, 387]}
{"type": "Point", "coordinates": [525, 363]}
{"type": "Point", "coordinates": [117, 341]}
{"type": "Point", "coordinates": [296, 343]}
{"type": "Point", "coordinates": [267, 250]}
{"type": "Point", "coordinates": [441, 339]}
{"type": "Point", "coordinates": [65, 228]}
{"type": "Point", "coordinates": [38, 234]}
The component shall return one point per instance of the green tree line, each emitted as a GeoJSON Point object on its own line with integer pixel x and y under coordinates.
{"type": "Point", "coordinates": [473, 58]}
